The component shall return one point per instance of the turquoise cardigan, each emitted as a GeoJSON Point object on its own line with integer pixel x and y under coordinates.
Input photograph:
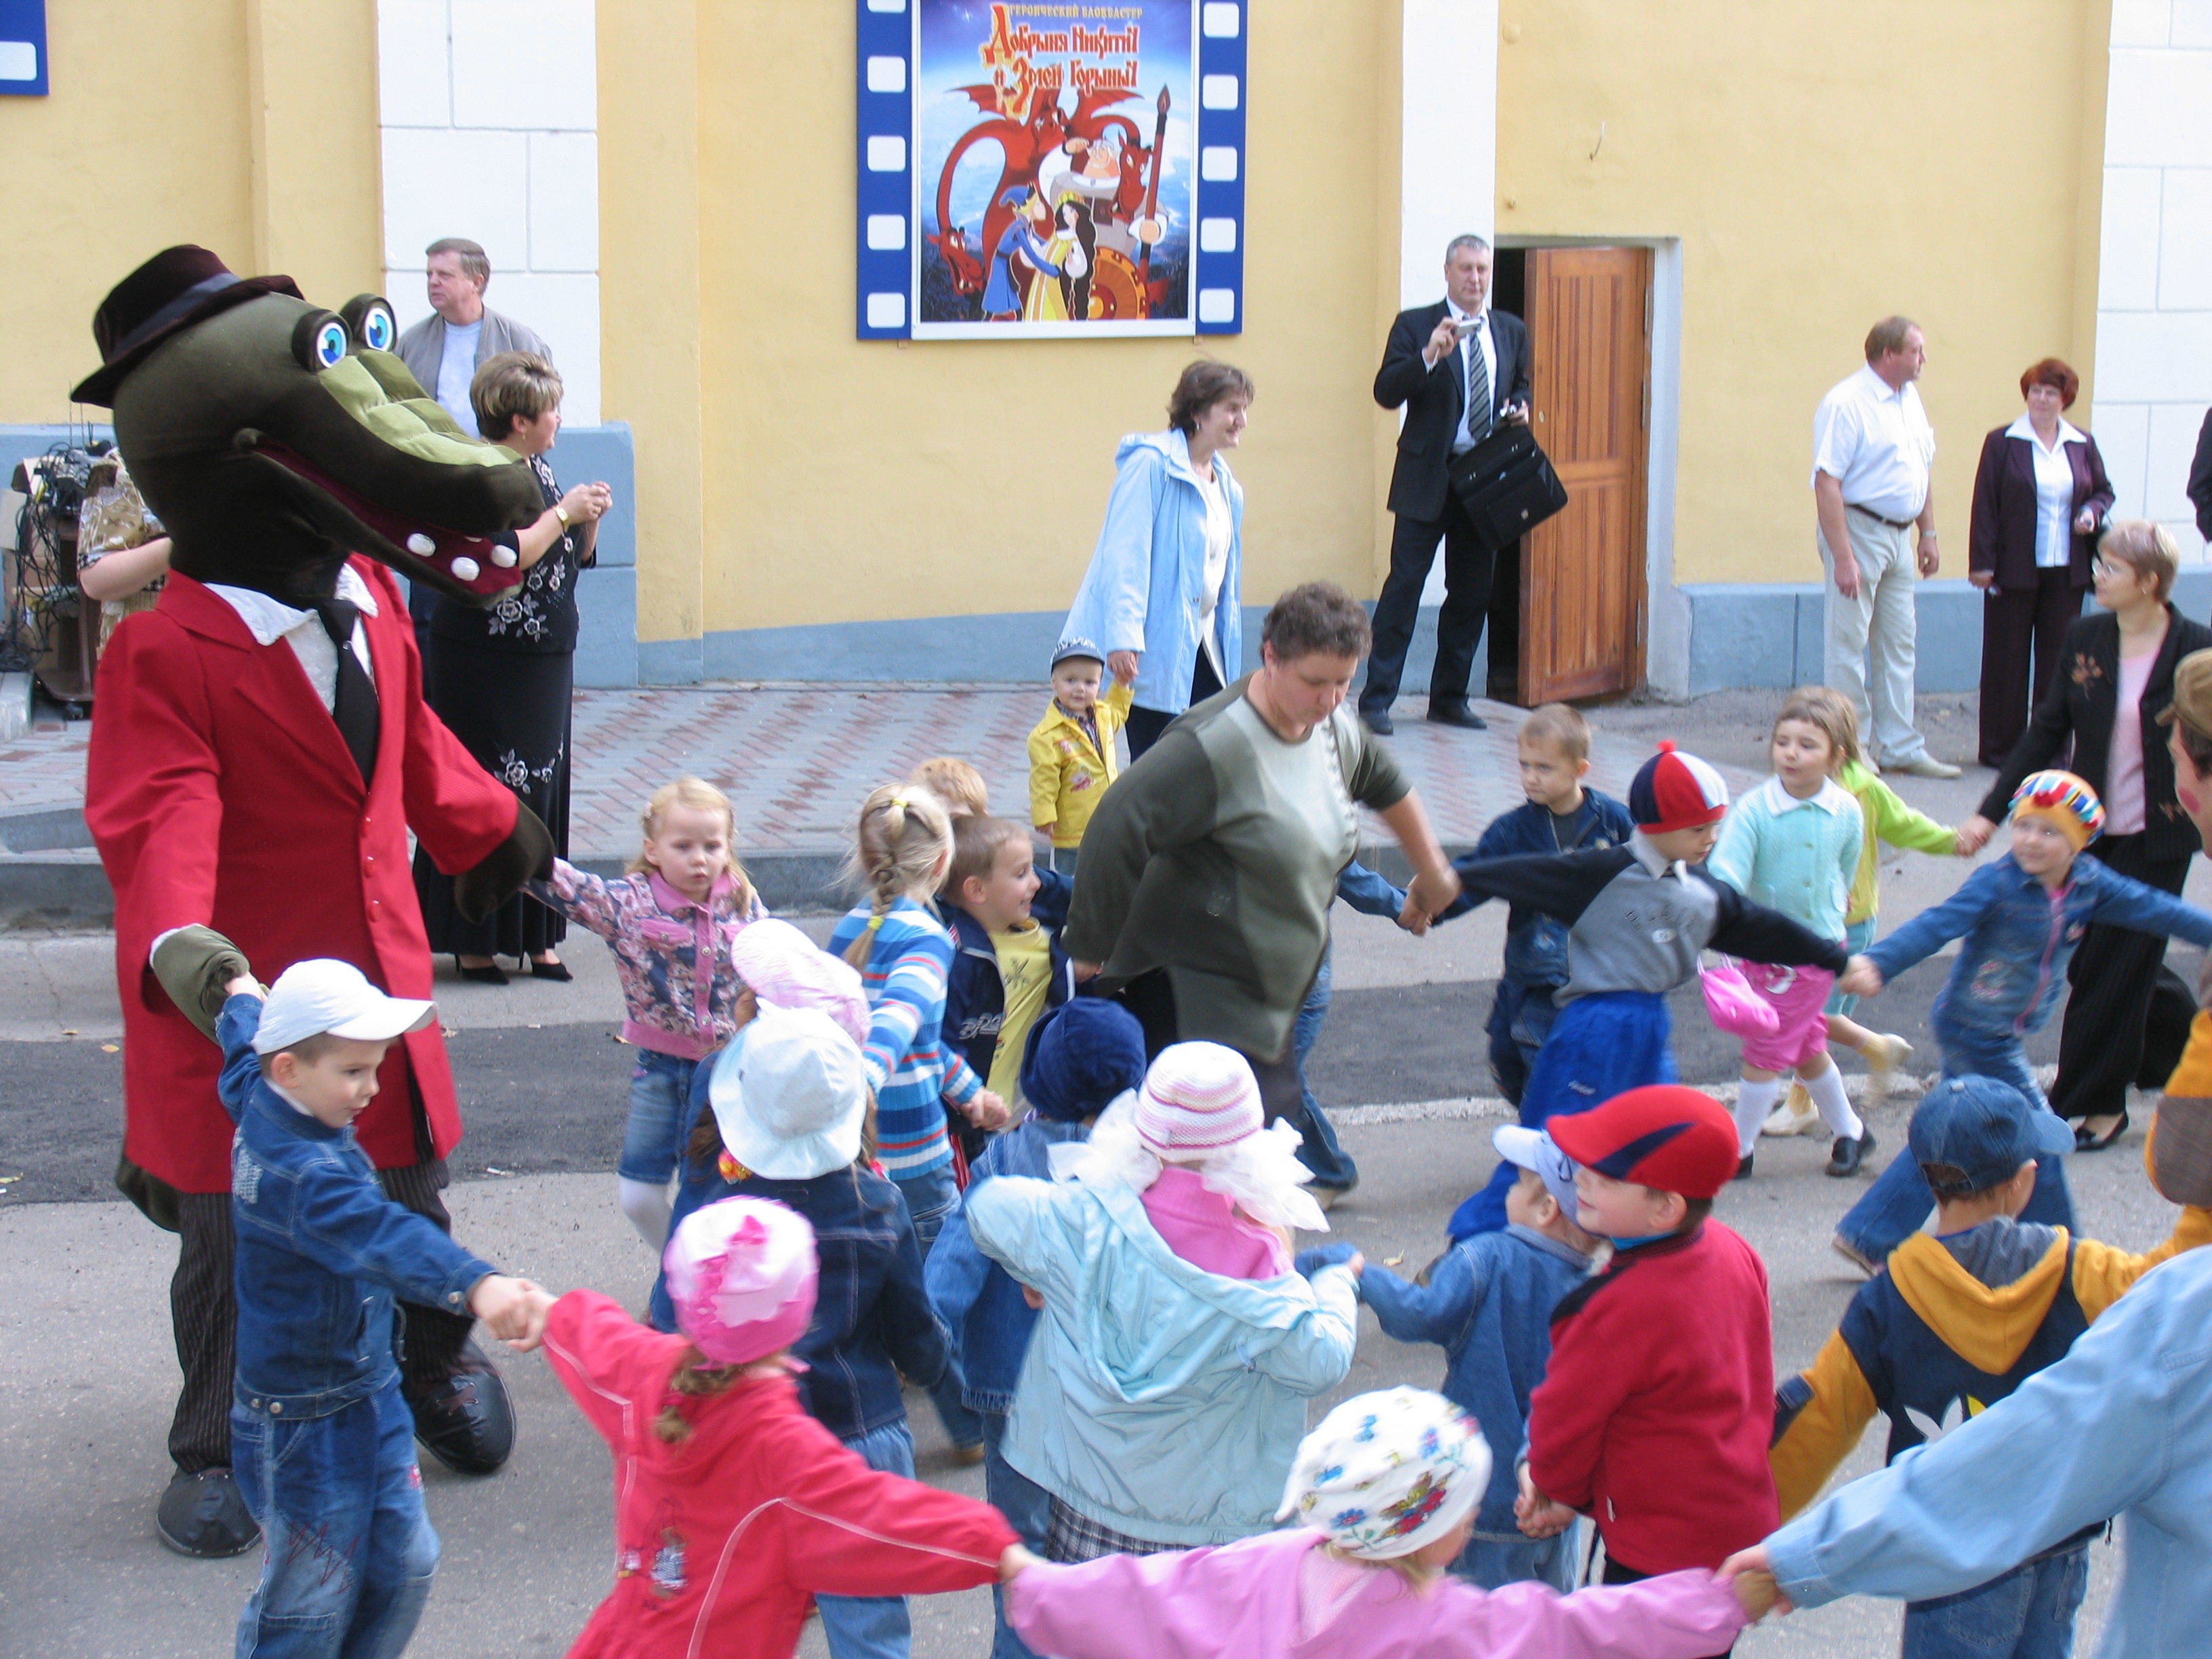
{"type": "Point", "coordinates": [1799, 857]}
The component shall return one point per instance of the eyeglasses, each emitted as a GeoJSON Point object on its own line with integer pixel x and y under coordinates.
{"type": "Point", "coordinates": [2103, 567]}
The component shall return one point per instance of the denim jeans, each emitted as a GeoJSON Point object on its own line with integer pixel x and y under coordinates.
{"type": "Point", "coordinates": [1063, 859]}
{"type": "Point", "coordinates": [1331, 1164]}
{"type": "Point", "coordinates": [348, 1553]}
{"type": "Point", "coordinates": [872, 1627]}
{"type": "Point", "coordinates": [1897, 1204]}
{"type": "Point", "coordinates": [930, 1198]}
{"type": "Point", "coordinates": [1028, 1509]}
{"type": "Point", "coordinates": [659, 1117]}
{"type": "Point", "coordinates": [1492, 1563]}
{"type": "Point", "coordinates": [2028, 1613]}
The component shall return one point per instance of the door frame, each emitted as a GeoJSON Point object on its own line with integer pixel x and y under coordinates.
{"type": "Point", "coordinates": [1666, 643]}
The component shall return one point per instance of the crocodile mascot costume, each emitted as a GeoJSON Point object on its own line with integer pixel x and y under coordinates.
{"type": "Point", "coordinates": [260, 753]}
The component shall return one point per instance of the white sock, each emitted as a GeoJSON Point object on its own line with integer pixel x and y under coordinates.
{"type": "Point", "coordinates": [645, 1204]}
{"type": "Point", "coordinates": [1827, 1092]}
{"type": "Point", "coordinates": [1753, 1100]}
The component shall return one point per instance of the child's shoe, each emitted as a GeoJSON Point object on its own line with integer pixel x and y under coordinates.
{"type": "Point", "coordinates": [1885, 1056]}
{"type": "Point", "coordinates": [1850, 1151]}
{"type": "Point", "coordinates": [1794, 1117]}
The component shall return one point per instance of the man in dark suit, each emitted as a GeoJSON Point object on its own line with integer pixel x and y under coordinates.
{"type": "Point", "coordinates": [1460, 369]}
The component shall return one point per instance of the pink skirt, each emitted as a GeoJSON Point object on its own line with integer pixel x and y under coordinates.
{"type": "Point", "coordinates": [1796, 995]}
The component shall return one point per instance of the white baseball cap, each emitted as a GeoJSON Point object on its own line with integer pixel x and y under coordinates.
{"type": "Point", "coordinates": [322, 997]}
{"type": "Point", "coordinates": [1532, 1149]}
{"type": "Point", "coordinates": [789, 1094]}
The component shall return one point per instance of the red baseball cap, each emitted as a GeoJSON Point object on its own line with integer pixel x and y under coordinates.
{"type": "Point", "coordinates": [1662, 1136]}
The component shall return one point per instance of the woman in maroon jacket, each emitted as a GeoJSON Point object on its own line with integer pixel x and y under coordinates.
{"type": "Point", "coordinates": [2040, 494]}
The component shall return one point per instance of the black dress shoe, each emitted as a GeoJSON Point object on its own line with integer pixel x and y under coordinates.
{"type": "Point", "coordinates": [467, 1422]}
{"type": "Point", "coordinates": [2086, 1141]}
{"type": "Point", "coordinates": [203, 1514]}
{"type": "Point", "coordinates": [490, 973]}
{"type": "Point", "coordinates": [556, 971]}
{"type": "Point", "coordinates": [1849, 1153]}
{"type": "Point", "coordinates": [1378, 721]}
{"type": "Point", "coordinates": [1459, 715]}
{"type": "Point", "coordinates": [1743, 1168]}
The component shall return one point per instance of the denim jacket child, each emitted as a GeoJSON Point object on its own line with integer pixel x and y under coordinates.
{"type": "Point", "coordinates": [1536, 944]}
{"type": "Point", "coordinates": [2017, 937]}
{"type": "Point", "coordinates": [321, 1251]}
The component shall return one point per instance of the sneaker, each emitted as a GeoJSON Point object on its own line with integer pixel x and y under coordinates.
{"type": "Point", "coordinates": [1885, 1057]}
{"type": "Point", "coordinates": [1850, 1151]}
{"type": "Point", "coordinates": [1795, 1116]}
{"type": "Point", "coordinates": [1743, 1169]}
{"type": "Point", "coordinates": [1928, 766]}
{"type": "Point", "coordinates": [1851, 1253]}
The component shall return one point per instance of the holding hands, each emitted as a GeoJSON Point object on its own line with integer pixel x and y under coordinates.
{"type": "Point", "coordinates": [1974, 834]}
{"type": "Point", "coordinates": [1537, 1515]}
{"type": "Point", "coordinates": [1751, 1575]}
{"type": "Point", "coordinates": [986, 1110]}
{"type": "Point", "coordinates": [1860, 978]}
{"type": "Point", "coordinates": [514, 1309]}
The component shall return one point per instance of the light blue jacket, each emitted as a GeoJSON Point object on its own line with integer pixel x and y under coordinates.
{"type": "Point", "coordinates": [1799, 857]}
{"type": "Point", "coordinates": [1162, 1400]}
{"type": "Point", "coordinates": [1144, 590]}
{"type": "Point", "coordinates": [2121, 1426]}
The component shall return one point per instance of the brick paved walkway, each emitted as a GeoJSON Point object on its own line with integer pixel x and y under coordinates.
{"type": "Point", "coordinates": [797, 759]}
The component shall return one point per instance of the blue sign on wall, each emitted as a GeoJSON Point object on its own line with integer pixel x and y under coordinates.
{"type": "Point", "coordinates": [23, 48]}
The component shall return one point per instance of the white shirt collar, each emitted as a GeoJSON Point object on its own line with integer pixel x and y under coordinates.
{"type": "Point", "coordinates": [1832, 797]}
{"type": "Point", "coordinates": [2068, 432]}
{"type": "Point", "coordinates": [1877, 388]}
{"type": "Point", "coordinates": [269, 619]}
{"type": "Point", "coordinates": [1460, 311]}
{"type": "Point", "coordinates": [1640, 848]}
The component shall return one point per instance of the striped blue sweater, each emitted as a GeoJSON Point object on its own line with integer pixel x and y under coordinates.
{"type": "Point", "coordinates": [907, 1067]}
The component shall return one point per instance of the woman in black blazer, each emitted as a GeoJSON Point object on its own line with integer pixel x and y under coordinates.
{"type": "Point", "coordinates": [2039, 495]}
{"type": "Point", "coordinates": [2127, 1015]}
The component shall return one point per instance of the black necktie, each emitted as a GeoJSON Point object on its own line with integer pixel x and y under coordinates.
{"type": "Point", "coordinates": [1477, 389]}
{"type": "Point", "coordinates": [354, 706]}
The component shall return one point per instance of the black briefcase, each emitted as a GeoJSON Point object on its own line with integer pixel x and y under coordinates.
{"type": "Point", "coordinates": [1507, 485]}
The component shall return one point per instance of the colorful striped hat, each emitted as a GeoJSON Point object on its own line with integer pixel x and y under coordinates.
{"type": "Point", "coordinates": [2064, 800]}
{"type": "Point", "coordinates": [1676, 791]}
{"type": "Point", "coordinates": [1199, 1098]}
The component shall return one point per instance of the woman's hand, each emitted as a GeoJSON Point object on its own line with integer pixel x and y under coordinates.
{"type": "Point", "coordinates": [586, 503]}
{"type": "Point", "coordinates": [2084, 521]}
{"type": "Point", "coordinates": [1433, 890]}
{"type": "Point", "coordinates": [1982, 578]}
{"type": "Point", "coordinates": [1972, 835]}
{"type": "Point", "coordinates": [1122, 666]}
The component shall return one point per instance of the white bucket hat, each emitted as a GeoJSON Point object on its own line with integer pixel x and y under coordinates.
{"type": "Point", "coordinates": [789, 1095]}
{"type": "Point", "coordinates": [323, 997]}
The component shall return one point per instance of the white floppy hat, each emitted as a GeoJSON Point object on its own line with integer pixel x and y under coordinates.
{"type": "Point", "coordinates": [322, 997]}
{"type": "Point", "coordinates": [789, 1094]}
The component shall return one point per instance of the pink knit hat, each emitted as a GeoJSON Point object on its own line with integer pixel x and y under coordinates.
{"type": "Point", "coordinates": [742, 1275]}
{"type": "Point", "coordinates": [786, 968]}
{"type": "Point", "coordinates": [1199, 1098]}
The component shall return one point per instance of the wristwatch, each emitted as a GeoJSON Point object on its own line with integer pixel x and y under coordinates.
{"type": "Point", "coordinates": [561, 514]}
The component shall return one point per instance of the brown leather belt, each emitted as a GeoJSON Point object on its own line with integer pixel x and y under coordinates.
{"type": "Point", "coordinates": [1868, 512]}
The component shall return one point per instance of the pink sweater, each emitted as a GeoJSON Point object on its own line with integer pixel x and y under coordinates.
{"type": "Point", "coordinates": [1204, 1228]}
{"type": "Point", "coordinates": [1261, 1598]}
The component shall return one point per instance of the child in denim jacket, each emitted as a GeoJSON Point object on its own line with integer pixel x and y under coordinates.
{"type": "Point", "coordinates": [321, 1443]}
{"type": "Point", "coordinates": [1078, 1059]}
{"type": "Point", "coordinates": [2019, 920]}
{"type": "Point", "coordinates": [669, 922]}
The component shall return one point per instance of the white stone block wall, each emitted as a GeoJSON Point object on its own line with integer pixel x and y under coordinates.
{"type": "Point", "coordinates": [2155, 263]}
{"type": "Point", "coordinates": [489, 116]}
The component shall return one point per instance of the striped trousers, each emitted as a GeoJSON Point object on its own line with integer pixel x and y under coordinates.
{"type": "Point", "coordinates": [203, 1314]}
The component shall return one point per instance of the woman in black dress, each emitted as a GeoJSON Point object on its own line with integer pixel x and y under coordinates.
{"type": "Point", "coordinates": [501, 677]}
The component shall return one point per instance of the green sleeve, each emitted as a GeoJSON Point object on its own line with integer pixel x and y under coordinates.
{"type": "Point", "coordinates": [1902, 826]}
{"type": "Point", "coordinates": [1168, 799]}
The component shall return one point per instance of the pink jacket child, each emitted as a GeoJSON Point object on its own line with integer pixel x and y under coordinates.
{"type": "Point", "coordinates": [1383, 1493]}
{"type": "Point", "coordinates": [733, 1506]}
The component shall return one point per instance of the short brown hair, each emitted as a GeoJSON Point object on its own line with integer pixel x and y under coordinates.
{"type": "Point", "coordinates": [1888, 336]}
{"type": "Point", "coordinates": [513, 386]}
{"type": "Point", "coordinates": [475, 265]}
{"type": "Point", "coordinates": [2197, 745]}
{"type": "Point", "coordinates": [975, 843]}
{"type": "Point", "coordinates": [2145, 548]}
{"type": "Point", "coordinates": [1560, 725]}
{"type": "Point", "coordinates": [2050, 371]}
{"type": "Point", "coordinates": [1829, 713]}
{"type": "Point", "coordinates": [953, 781]}
{"type": "Point", "coordinates": [1316, 616]}
{"type": "Point", "coordinates": [1204, 384]}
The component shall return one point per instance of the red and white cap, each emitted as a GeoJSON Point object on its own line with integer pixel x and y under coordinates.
{"type": "Point", "coordinates": [1199, 1098]}
{"type": "Point", "coordinates": [1676, 791]}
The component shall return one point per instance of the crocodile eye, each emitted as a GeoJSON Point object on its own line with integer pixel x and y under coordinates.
{"type": "Point", "coordinates": [320, 341]}
{"type": "Point", "coordinates": [377, 330]}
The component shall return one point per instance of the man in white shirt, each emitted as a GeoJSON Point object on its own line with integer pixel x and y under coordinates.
{"type": "Point", "coordinates": [1875, 501]}
{"type": "Point", "coordinates": [443, 350]}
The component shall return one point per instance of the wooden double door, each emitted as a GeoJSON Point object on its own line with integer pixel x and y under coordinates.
{"type": "Point", "coordinates": [1583, 599]}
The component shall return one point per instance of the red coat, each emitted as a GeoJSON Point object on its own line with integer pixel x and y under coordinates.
{"type": "Point", "coordinates": [219, 792]}
{"type": "Point", "coordinates": [1655, 1412]}
{"type": "Point", "coordinates": [721, 1540]}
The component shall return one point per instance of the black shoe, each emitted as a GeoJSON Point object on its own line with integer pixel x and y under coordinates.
{"type": "Point", "coordinates": [1742, 1168]}
{"type": "Point", "coordinates": [2084, 1141]}
{"type": "Point", "coordinates": [1378, 721]}
{"type": "Point", "coordinates": [1849, 1153]}
{"type": "Point", "coordinates": [467, 1422]}
{"type": "Point", "coordinates": [490, 973]}
{"type": "Point", "coordinates": [556, 971]}
{"type": "Point", "coordinates": [1459, 715]}
{"type": "Point", "coordinates": [205, 1515]}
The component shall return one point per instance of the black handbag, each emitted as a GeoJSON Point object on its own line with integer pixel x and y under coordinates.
{"type": "Point", "coordinates": [1507, 485]}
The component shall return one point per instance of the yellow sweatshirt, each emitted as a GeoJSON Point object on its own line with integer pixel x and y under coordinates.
{"type": "Point", "coordinates": [1068, 771]}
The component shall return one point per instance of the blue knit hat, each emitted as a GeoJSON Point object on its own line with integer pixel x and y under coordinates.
{"type": "Point", "coordinates": [1079, 1056]}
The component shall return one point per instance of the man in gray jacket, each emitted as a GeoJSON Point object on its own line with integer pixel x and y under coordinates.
{"type": "Point", "coordinates": [442, 351]}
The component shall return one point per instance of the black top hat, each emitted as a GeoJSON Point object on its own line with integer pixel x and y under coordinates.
{"type": "Point", "coordinates": [178, 285]}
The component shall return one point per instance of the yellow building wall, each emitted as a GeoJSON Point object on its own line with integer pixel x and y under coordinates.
{"type": "Point", "coordinates": [840, 480]}
{"type": "Point", "coordinates": [248, 127]}
{"type": "Point", "coordinates": [1823, 167]}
